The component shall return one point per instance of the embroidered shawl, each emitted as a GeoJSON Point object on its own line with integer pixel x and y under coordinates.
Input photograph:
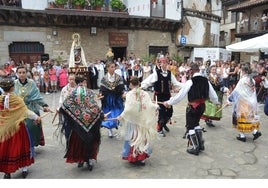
{"type": "Point", "coordinates": [82, 107]}
{"type": "Point", "coordinates": [11, 118]}
{"type": "Point", "coordinates": [111, 85]}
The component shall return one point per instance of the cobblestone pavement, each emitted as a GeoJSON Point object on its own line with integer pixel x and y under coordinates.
{"type": "Point", "coordinates": [224, 156]}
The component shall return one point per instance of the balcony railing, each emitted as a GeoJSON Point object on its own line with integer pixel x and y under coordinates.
{"type": "Point", "coordinates": [255, 26]}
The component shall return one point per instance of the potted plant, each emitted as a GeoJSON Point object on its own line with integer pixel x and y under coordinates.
{"type": "Point", "coordinates": [117, 5]}
{"type": "Point", "coordinates": [61, 3]}
{"type": "Point", "coordinates": [79, 4]}
{"type": "Point", "coordinates": [97, 4]}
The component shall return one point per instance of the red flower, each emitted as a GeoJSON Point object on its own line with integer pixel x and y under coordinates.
{"type": "Point", "coordinates": [86, 117]}
{"type": "Point", "coordinates": [95, 110]}
{"type": "Point", "coordinates": [77, 112]}
{"type": "Point", "coordinates": [87, 98]}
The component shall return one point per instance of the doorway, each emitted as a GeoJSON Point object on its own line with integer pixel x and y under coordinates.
{"type": "Point", "coordinates": [156, 50]}
{"type": "Point", "coordinates": [27, 52]}
{"type": "Point", "coordinates": [119, 52]}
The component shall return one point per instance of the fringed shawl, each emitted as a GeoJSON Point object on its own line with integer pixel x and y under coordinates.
{"type": "Point", "coordinates": [111, 85]}
{"type": "Point", "coordinates": [244, 97]}
{"type": "Point", "coordinates": [11, 118]}
{"type": "Point", "coordinates": [30, 94]}
{"type": "Point", "coordinates": [82, 107]}
{"type": "Point", "coordinates": [142, 113]}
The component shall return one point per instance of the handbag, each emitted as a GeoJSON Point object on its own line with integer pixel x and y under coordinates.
{"type": "Point", "coordinates": [266, 106]}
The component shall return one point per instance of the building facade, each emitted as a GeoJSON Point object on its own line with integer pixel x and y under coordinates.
{"type": "Point", "coordinates": [31, 30]}
{"type": "Point", "coordinates": [242, 21]}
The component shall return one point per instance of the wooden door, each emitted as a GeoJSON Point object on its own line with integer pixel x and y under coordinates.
{"type": "Point", "coordinates": [28, 52]}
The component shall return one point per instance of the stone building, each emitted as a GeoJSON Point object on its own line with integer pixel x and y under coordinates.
{"type": "Point", "coordinates": [242, 21]}
{"type": "Point", "coordinates": [31, 30]}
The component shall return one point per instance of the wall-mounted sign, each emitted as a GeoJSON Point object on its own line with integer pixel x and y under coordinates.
{"type": "Point", "coordinates": [118, 39]}
{"type": "Point", "coordinates": [183, 40]}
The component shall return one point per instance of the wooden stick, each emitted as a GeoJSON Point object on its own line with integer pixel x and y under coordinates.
{"type": "Point", "coordinates": [100, 97]}
{"type": "Point", "coordinates": [54, 117]}
{"type": "Point", "coordinates": [44, 115]}
{"type": "Point", "coordinates": [260, 90]}
{"type": "Point", "coordinates": [110, 119]}
{"type": "Point", "coordinates": [107, 113]}
{"type": "Point", "coordinates": [222, 108]}
{"type": "Point", "coordinates": [158, 102]}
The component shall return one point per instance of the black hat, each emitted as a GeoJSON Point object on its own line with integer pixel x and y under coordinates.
{"type": "Point", "coordinates": [6, 83]}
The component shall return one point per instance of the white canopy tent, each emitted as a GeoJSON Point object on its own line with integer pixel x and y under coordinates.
{"type": "Point", "coordinates": [251, 45]}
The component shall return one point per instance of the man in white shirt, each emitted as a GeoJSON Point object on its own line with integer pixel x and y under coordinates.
{"type": "Point", "coordinates": [162, 80]}
{"type": "Point", "coordinates": [198, 89]}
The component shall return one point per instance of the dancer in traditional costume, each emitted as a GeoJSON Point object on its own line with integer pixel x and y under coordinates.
{"type": "Point", "coordinates": [82, 113]}
{"type": "Point", "coordinates": [213, 111]}
{"type": "Point", "coordinates": [196, 106]}
{"type": "Point", "coordinates": [65, 92]}
{"type": "Point", "coordinates": [29, 92]}
{"type": "Point", "coordinates": [139, 119]}
{"type": "Point", "coordinates": [162, 80]}
{"type": "Point", "coordinates": [15, 147]}
{"type": "Point", "coordinates": [112, 93]}
{"type": "Point", "coordinates": [244, 101]}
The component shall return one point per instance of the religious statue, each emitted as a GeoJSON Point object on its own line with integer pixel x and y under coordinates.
{"type": "Point", "coordinates": [110, 55]}
{"type": "Point", "coordinates": [77, 55]}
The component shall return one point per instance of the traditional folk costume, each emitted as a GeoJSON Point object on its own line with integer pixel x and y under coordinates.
{"type": "Point", "coordinates": [112, 89]}
{"type": "Point", "coordinates": [162, 82]}
{"type": "Point", "coordinates": [140, 117]}
{"type": "Point", "coordinates": [15, 146]}
{"type": "Point", "coordinates": [84, 116]}
{"type": "Point", "coordinates": [137, 70]}
{"type": "Point", "coordinates": [65, 92]}
{"type": "Point", "coordinates": [195, 109]}
{"type": "Point", "coordinates": [244, 99]}
{"type": "Point", "coordinates": [213, 111]}
{"type": "Point", "coordinates": [33, 99]}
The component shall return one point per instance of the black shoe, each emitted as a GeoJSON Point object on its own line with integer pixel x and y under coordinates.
{"type": "Point", "coordinates": [256, 135]}
{"type": "Point", "coordinates": [24, 174]}
{"type": "Point", "coordinates": [193, 151]}
{"type": "Point", "coordinates": [166, 128]}
{"type": "Point", "coordinates": [161, 133]}
{"type": "Point", "coordinates": [209, 123]}
{"type": "Point", "coordinates": [81, 164]}
{"type": "Point", "coordinates": [243, 139]}
{"type": "Point", "coordinates": [185, 134]}
{"type": "Point", "coordinates": [7, 176]}
{"type": "Point", "coordinates": [90, 165]}
{"type": "Point", "coordinates": [201, 146]}
{"type": "Point", "coordinates": [142, 163]}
